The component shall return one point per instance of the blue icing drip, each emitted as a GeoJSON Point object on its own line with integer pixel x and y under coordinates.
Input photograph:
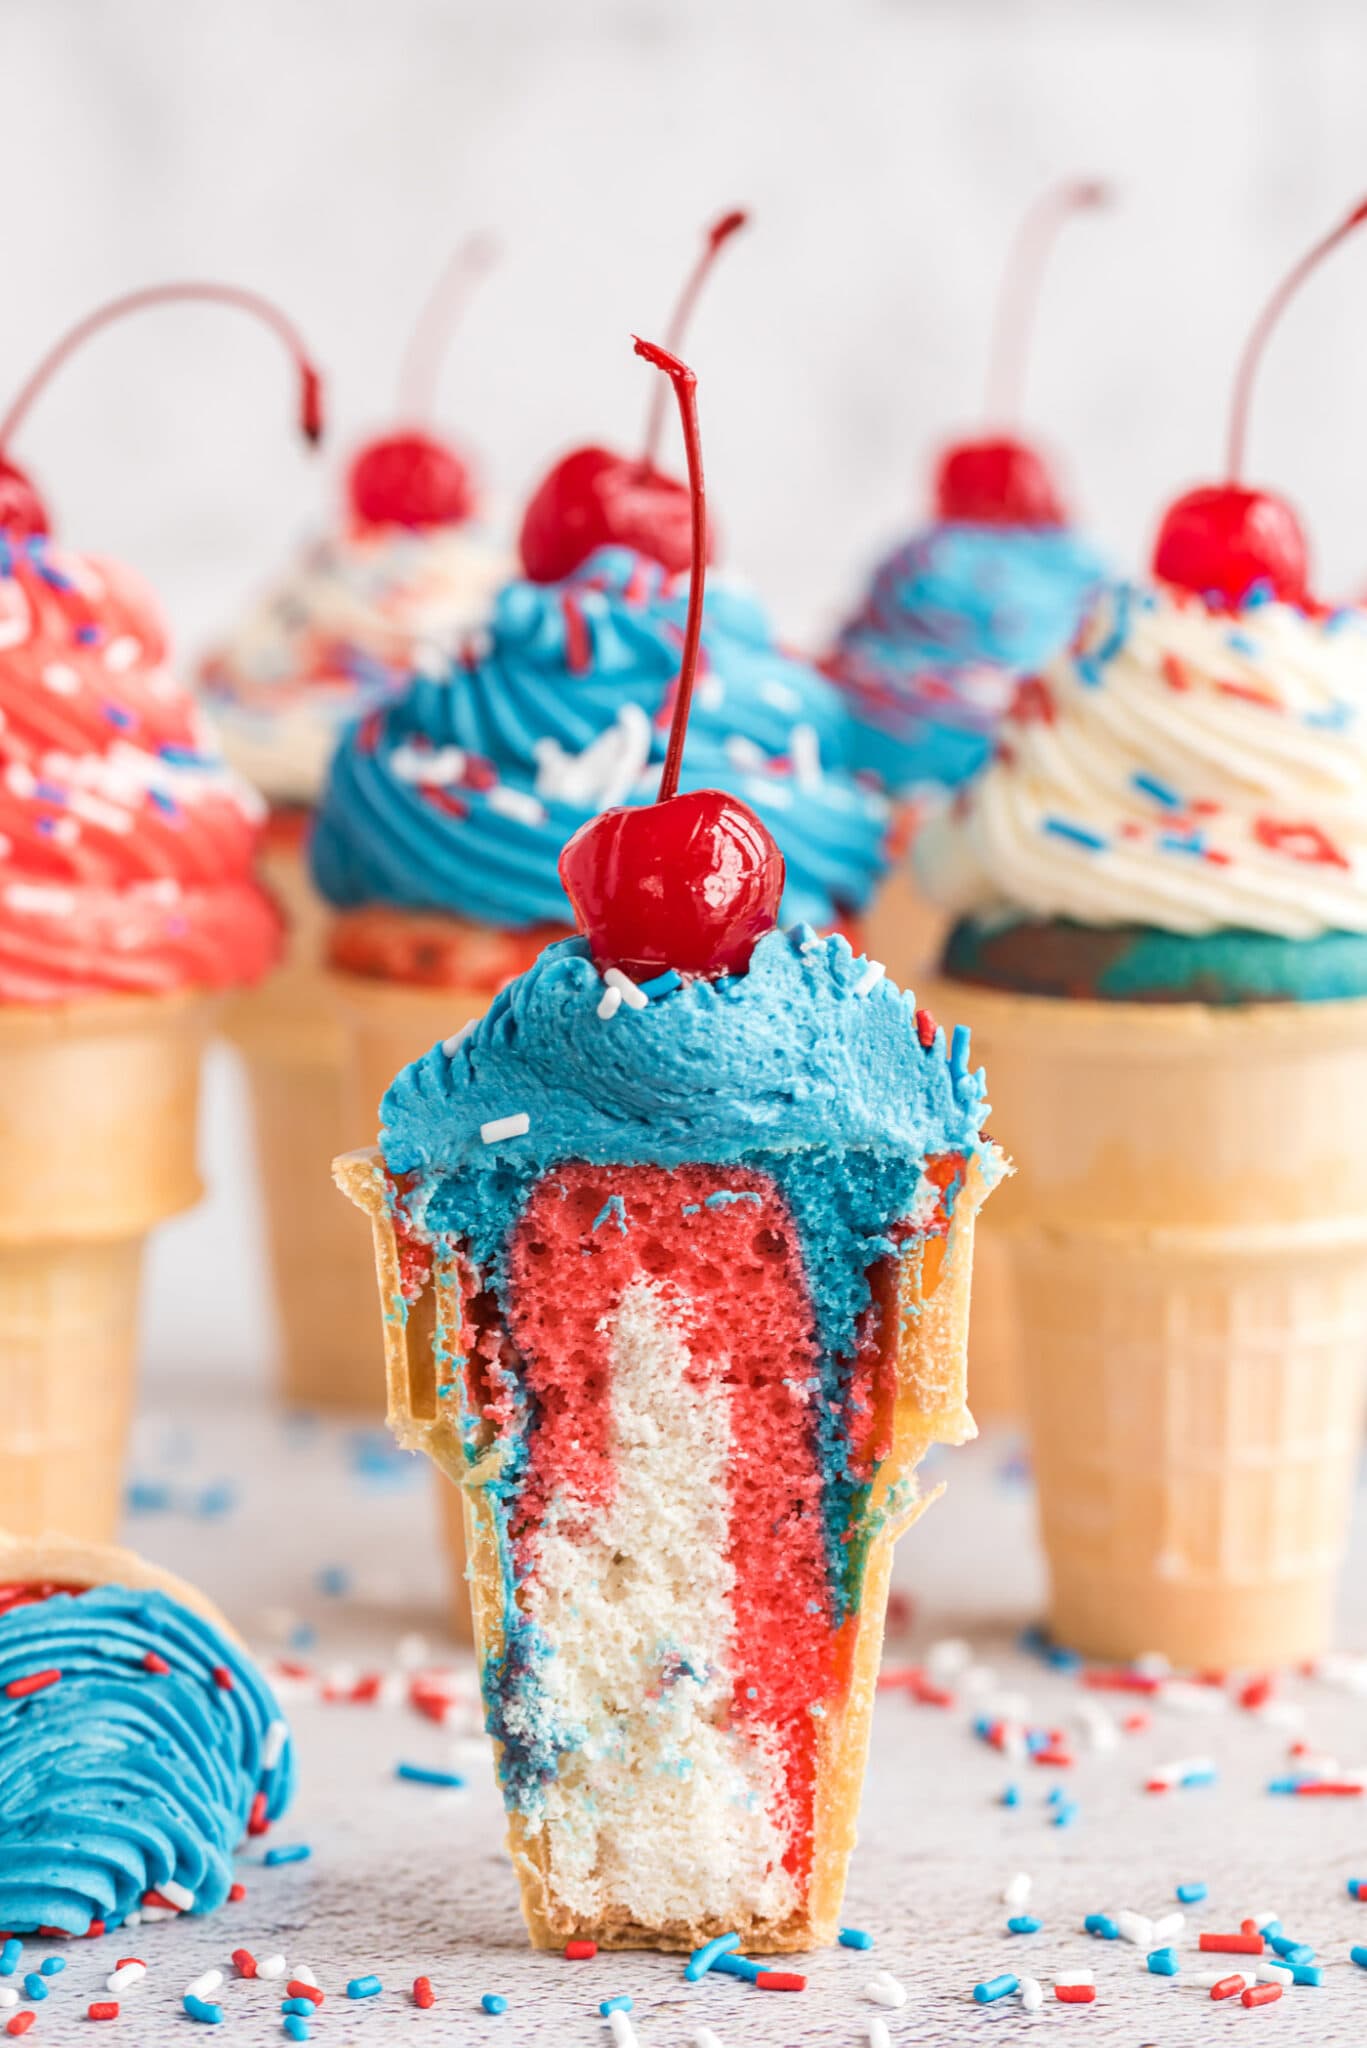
{"type": "Point", "coordinates": [544, 683]}
{"type": "Point", "coordinates": [948, 607]}
{"type": "Point", "coordinates": [782, 1070]}
{"type": "Point", "coordinates": [117, 1780]}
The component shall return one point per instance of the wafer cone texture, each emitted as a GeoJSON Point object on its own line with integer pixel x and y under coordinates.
{"type": "Point", "coordinates": [1188, 1236]}
{"type": "Point", "coordinates": [98, 1105]}
{"type": "Point", "coordinates": [421, 1339]}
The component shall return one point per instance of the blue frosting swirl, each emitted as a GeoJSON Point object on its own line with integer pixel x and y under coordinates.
{"type": "Point", "coordinates": [951, 618]}
{"type": "Point", "coordinates": [459, 796]}
{"type": "Point", "coordinates": [117, 1780]}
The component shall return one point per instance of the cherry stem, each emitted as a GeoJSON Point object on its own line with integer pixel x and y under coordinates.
{"type": "Point", "coordinates": [1018, 302]}
{"type": "Point", "coordinates": [444, 308]}
{"type": "Point", "coordinates": [686, 393]}
{"type": "Point", "coordinates": [310, 382]}
{"type": "Point", "coordinates": [718, 234]}
{"type": "Point", "coordinates": [1252, 356]}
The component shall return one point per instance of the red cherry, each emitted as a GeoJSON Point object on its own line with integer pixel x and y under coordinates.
{"type": "Point", "coordinates": [592, 498]}
{"type": "Point", "coordinates": [1223, 540]}
{"type": "Point", "coordinates": [22, 511]}
{"type": "Point", "coordinates": [997, 482]}
{"type": "Point", "coordinates": [692, 881]}
{"type": "Point", "coordinates": [409, 479]}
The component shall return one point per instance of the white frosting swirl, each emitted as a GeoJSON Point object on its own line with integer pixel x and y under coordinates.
{"type": "Point", "coordinates": [340, 632]}
{"type": "Point", "coordinates": [1178, 768]}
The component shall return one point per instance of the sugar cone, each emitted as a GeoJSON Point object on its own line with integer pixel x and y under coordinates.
{"type": "Point", "coordinates": [72, 1561]}
{"type": "Point", "coordinates": [98, 1108]}
{"type": "Point", "coordinates": [422, 1337]}
{"type": "Point", "coordinates": [1188, 1235]}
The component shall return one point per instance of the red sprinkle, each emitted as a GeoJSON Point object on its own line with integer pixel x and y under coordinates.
{"type": "Point", "coordinates": [130, 1959]}
{"type": "Point", "coordinates": [1135, 1724]}
{"type": "Point", "coordinates": [423, 1994]}
{"type": "Point", "coordinates": [103, 2009]}
{"type": "Point", "coordinates": [1054, 1756]}
{"type": "Point", "coordinates": [580, 1951]}
{"type": "Point", "coordinates": [1075, 1994]}
{"type": "Point", "coordinates": [152, 1662]}
{"type": "Point", "coordinates": [925, 1028]}
{"type": "Point", "coordinates": [1248, 1927]}
{"type": "Point", "coordinates": [779, 1980]}
{"type": "Point", "coordinates": [223, 1677]}
{"type": "Point", "coordinates": [156, 1899]}
{"type": "Point", "coordinates": [95, 1927]}
{"type": "Point", "coordinates": [1231, 1944]}
{"type": "Point", "coordinates": [1328, 1788]}
{"type": "Point", "coordinates": [1121, 1681]}
{"type": "Point", "coordinates": [21, 2023]}
{"type": "Point", "coordinates": [1261, 1994]}
{"type": "Point", "coordinates": [236, 1893]}
{"type": "Point", "coordinates": [1256, 1693]}
{"type": "Point", "coordinates": [257, 1823]}
{"type": "Point", "coordinates": [296, 1989]}
{"type": "Point", "coordinates": [20, 1688]}
{"type": "Point", "coordinates": [244, 1962]}
{"type": "Point", "coordinates": [1227, 1987]}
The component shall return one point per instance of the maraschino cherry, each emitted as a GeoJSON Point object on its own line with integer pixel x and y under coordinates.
{"type": "Point", "coordinates": [691, 881]}
{"type": "Point", "coordinates": [1000, 480]}
{"type": "Point", "coordinates": [593, 498]}
{"type": "Point", "coordinates": [414, 477]}
{"type": "Point", "coordinates": [22, 511]}
{"type": "Point", "coordinates": [1223, 540]}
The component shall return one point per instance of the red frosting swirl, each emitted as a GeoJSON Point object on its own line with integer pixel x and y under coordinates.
{"type": "Point", "coordinates": [125, 842]}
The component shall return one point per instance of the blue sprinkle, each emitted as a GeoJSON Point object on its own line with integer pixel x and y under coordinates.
{"type": "Point", "coordinates": [364, 1987]}
{"type": "Point", "coordinates": [218, 1499]}
{"type": "Point", "coordinates": [1038, 1738]}
{"type": "Point", "coordinates": [1191, 1894]}
{"type": "Point", "coordinates": [302, 2008]}
{"type": "Point", "coordinates": [493, 2003]}
{"type": "Point", "coordinates": [1182, 842]}
{"type": "Point", "coordinates": [164, 803]}
{"type": "Point", "coordinates": [292, 1852]}
{"type": "Point", "coordinates": [334, 1580]}
{"type": "Point", "coordinates": [1243, 643]}
{"type": "Point", "coordinates": [1011, 1796]}
{"type": "Point", "coordinates": [1336, 717]}
{"type": "Point", "coordinates": [725, 1197]}
{"type": "Point", "coordinates": [1207, 1775]}
{"type": "Point", "coordinates": [1161, 792]}
{"type": "Point", "coordinates": [738, 1966]}
{"type": "Point", "coordinates": [1267, 1928]}
{"type": "Point", "coordinates": [1353, 1884]}
{"type": "Point", "coordinates": [422, 1774]}
{"type": "Point", "coordinates": [201, 2010]}
{"type": "Point", "coordinates": [1078, 835]}
{"type": "Point", "coordinates": [1103, 1925]}
{"type": "Point", "coordinates": [1359, 1955]}
{"type": "Point", "coordinates": [296, 2028]}
{"type": "Point", "coordinates": [35, 1987]}
{"type": "Point", "coordinates": [88, 636]}
{"type": "Point", "coordinates": [146, 1496]}
{"type": "Point", "coordinates": [1283, 1784]}
{"type": "Point", "coordinates": [614, 1210]}
{"type": "Point", "coordinates": [1065, 1813]}
{"type": "Point", "coordinates": [855, 1937]}
{"type": "Point", "coordinates": [1259, 594]}
{"type": "Point", "coordinates": [691, 1208]}
{"type": "Point", "coordinates": [182, 757]}
{"type": "Point", "coordinates": [1023, 1923]}
{"type": "Point", "coordinates": [1058, 1797]}
{"type": "Point", "coordinates": [702, 1959]}
{"type": "Point", "coordinates": [958, 1049]}
{"type": "Point", "coordinates": [1163, 1962]}
{"type": "Point", "coordinates": [52, 1966]}
{"type": "Point", "coordinates": [9, 1956]}
{"type": "Point", "coordinates": [1306, 1973]}
{"type": "Point", "coordinates": [995, 1988]}
{"type": "Point", "coordinates": [1297, 1952]}
{"type": "Point", "coordinates": [119, 718]}
{"type": "Point", "coordinates": [661, 984]}
{"type": "Point", "coordinates": [1089, 669]}
{"type": "Point", "coordinates": [619, 2004]}
{"type": "Point", "coordinates": [303, 1636]}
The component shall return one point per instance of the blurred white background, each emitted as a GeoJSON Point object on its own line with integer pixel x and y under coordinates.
{"type": "Point", "coordinates": [331, 151]}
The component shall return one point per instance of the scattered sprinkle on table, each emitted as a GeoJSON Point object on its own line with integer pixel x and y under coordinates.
{"type": "Point", "coordinates": [424, 1774]}
{"type": "Point", "coordinates": [52, 1966]}
{"type": "Point", "coordinates": [492, 2002]}
{"type": "Point", "coordinates": [301, 1986]}
{"type": "Point", "coordinates": [292, 1852]}
{"type": "Point", "coordinates": [1023, 1923]}
{"type": "Point", "coordinates": [102, 2009]}
{"type": "Point", "coordinates": [709, 1956]}
{"type": "Point", "coordinates": [364, 1987]}
{"type": "Point", "coordinates": [580, 1951]}
{"type": "Point", "coordinates": [1191, 1894]}
{"type": "Point", "coordinates": [297, 2029]}
{"type": "Point", "coordinates": [622, 2003]}
{"type": "Point", "coordinates": [855, 1937]}
{"type": "Point", "coordinates": [200, 2009]}
{"type": "Point", "coordinates": [423, 1994]}
{"type": "Point", "coordinates": [21, 2023]}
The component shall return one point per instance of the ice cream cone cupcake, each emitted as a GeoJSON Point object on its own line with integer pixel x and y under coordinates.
{"type": "Point", "coordinates": [674, 1249]}
{"type": "Point", "coordinates": [1161, 887]}
{"type": "Point", "coordinates": [128, 907]}
{"type": "Point", "coordinates": [138, 1742]}
{"type": "Point", "coordinates": [987, 592]}
{"type": "Point", "coordinates": [408, 570]}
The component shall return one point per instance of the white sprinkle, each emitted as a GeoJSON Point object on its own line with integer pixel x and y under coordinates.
{"type": "Point", "coordinates": [1281, 1714]}
{"type": "Point", "coordinates": [412, 1652]}
{"type": "Point", "coordinates": [133, 1919]}
{"type": "Point", "coordinates": [126, 1974]}
{"type": "Point", "coordinates": [1073, 1978]}
{"type": "Point", "coordinates": [430, 767]}
{"type": "Point", "coordinates": [302, 1974]}
{"type": "Point", "coordinates": [1193, 1699]}
{"type": "Point", "coordinates": [711, 691]}
{"type": "Point", "coordinates": [1135, 1927]}
{"type": "Point", "coordinates": [869, 979]}
{"type": "Point", "coordinates": [947, 1658]}
{"type": "Point", "coordinates": [178, 1894]}
{"type": "Point", "coordinates": [1016, 1892]}
{"type": "Point", "coordinates": [1152, 1664]}
{"type": "Point", "coordinates": [458, 1038]}
{"type": "Point", "coordinates": [781, 695]}
{"type": "Point", "coordinates": [273, 1748]}
{"type": "Point", "coordinates": [151, 1913]}
{"type": "Point", "coordinates": [1031, 1993]}
{"type": "Point", "coordinates": [745, 753]}
{"type": "Point", "coordinates": [123, 653]}
{"type": "Point", "coordinates": [1182, 1767]}
{"type": "Point", "coordinates": [274, 1966]}
{"type": "Point", "coordinates": [1204, 1980]}
{"type": "Point", "coordinates": [1169, 1926]}
{"type": "Point", "coordinates": [63, 680]}
{"type": "Point", "coordinates": [633, 997]}
{"type": "Point", "coordinates": [623, 2033]}
{"type": "Point", "coordinates": [202, 1986]}
{"type": "Point", "coordinates": [516, 1126]}
{"type": "Point", "coordinates": [885, 1990]}
{"type": "Point", "coordinates": [879, 2037]}
{"type": "Point", "coordinates": [1097, 1725]}
{"type": "Point", "coordinates": [610, 1004]}
{"type": "Point", "coordinates": [8, 1996]}
{"type": "Point", "coordinates": [804, 749]}
{"type": "Point", "coordinates": [1276, 1973]}
{"type": "Point", "coordinates": [704, 2038]}
{"type": "Point", "coordinates": [1262, 1920]}
{"type": "Point", "coordinates": [517, 804]}
{"type": "Point", "coordinates": [40, 899]}
{"type": "Point", "coordinates": [979, 1678]}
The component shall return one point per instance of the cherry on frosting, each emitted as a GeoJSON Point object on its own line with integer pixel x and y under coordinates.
{"type": "Point", "coordinates": [998, 479]}
{"type": "Point", "coordinates": [414, 477]}
{"type": "Point", "coordinates": [22, 511]}
{"type": "Point", "coordinates": [692, 881]}
{"type": "Point", "coordinates": [593, 498]}
{"type": "Point", "coordinates": [1223, 541]}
